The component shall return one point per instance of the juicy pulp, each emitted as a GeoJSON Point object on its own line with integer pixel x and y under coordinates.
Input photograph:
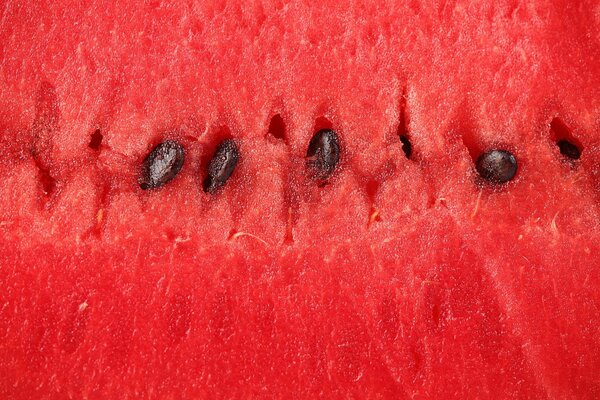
{"type": "Point", "coordinates": [400, 278]}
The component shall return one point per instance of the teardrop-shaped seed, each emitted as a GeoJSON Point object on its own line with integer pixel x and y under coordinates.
{"type": "Point", "coordinates": [497, 166]}
{"type": "Point", "coordinates": [323, 154]}
{"type": "Point", "coordinates": [221, 165]}
{"type": "Point", "coordinates": [162, 165]}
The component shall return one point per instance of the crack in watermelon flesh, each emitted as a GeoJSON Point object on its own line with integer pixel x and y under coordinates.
{"type": "Point", "coordinates": [402, 277]}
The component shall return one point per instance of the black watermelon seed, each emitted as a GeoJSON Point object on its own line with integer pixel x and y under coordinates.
{"type": "Point", "coordinates": [221, 165]}
{"type": "Point", "coordinates": [568, 149]}
{"type": "Point", "coordinates": [406, 145]}
{"type": "Point", "coordinates": [323, 153]}
{"type": "Point", "coordinates": [497, 166]}
{"type": "Point", "coordinates": [161, 165]}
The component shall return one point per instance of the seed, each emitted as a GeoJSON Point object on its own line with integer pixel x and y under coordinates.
{"type": "Point", "coordinates": [323, 153]}
{"type": "Point", "coordinates": [162, 165]}
{"type": "Point", "coordinates": [497, 166]}
{"type": "Point", "coordinates": [568, 149]}
{"type": "Point", "coordinates": [221, 165]}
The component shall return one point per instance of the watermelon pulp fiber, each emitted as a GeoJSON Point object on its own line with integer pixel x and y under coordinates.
{"type": "Point", "coordinates": [401, 278]}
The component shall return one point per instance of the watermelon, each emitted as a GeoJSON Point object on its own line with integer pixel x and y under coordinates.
{"type": "Point", "coordinates": [289, 199]}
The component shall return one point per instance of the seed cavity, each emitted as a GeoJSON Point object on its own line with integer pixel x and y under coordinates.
{"type": "Point", "coordinates": [561, 134]}
{"type": "Point", "coordinates": [48, 181]}
{"type": "Point", "coordinates": [497, 166]}
{"type": "Point", "coordinates": [96, 140]}
{"type": "Point", "coordinates": [162, 165]}
{"type": "Point", "coordinates": [403, 126]}
{"type": "Point", "coordinates": [406, 145]}
{"type": "Point", "coordinates": [277, 127]}
{"type": "Point", "coordinates": [221, 165]}
{"type": "Point", "coordinates": [323, 154]}
{"type": "Point", "coordinates": [568, 149]}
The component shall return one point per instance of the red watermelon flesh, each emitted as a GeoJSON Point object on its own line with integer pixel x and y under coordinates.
{"type": "Point", "coordinates": [399, 278]}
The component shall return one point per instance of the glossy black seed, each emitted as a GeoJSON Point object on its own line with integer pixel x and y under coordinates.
{"type": "Point", "coordinates": [406, 146]}
{"type": "Point", "coordinates": [323, 153]}
{"type": "Point", "coordinates": [497, 166]}
{"type": "Point", "coordinates": [568, 149]}
{"type": "Point", "coordinates": [221, 165]}
{"type": "Point", "coordinates": [161, 165]}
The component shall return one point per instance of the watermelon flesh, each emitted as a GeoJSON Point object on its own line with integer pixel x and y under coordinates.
{"type": "Point", "coordinates": [399, 278]}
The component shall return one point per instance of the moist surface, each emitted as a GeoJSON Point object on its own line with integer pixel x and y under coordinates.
{"type": "Point", "coordinates": [404, 275]}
